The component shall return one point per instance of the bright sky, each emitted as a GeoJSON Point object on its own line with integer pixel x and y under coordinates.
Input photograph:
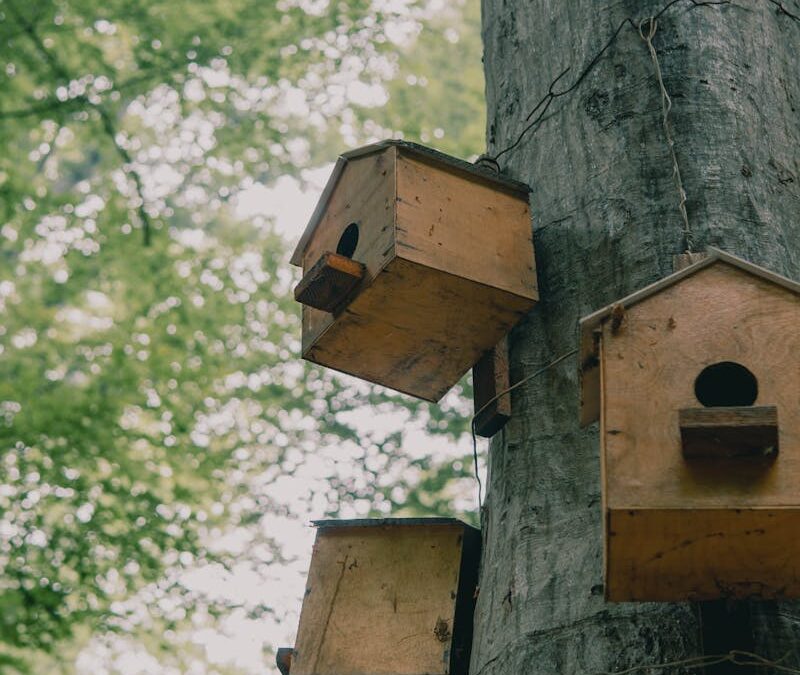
{"type": "Point", "coordinates": [288, 203]}
{"type": "Point", "coordinates": [242, 641]}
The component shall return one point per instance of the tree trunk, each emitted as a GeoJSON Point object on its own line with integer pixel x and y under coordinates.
{"type": "Point", "coordinates": [607, 222]}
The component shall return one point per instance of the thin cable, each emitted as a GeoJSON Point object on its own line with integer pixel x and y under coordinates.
{"type": "Point", "coordinates": [666, 107]}
{"type": "Point", "coordinates": [492, 400]}
{"type": "Point", "coordinates": [544, 103]}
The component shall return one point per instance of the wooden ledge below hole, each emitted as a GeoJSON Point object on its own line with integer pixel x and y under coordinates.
{"type": "Point", "coordinates": [724, 433]}
{"type": "Point", "coordinates": [330, 283]}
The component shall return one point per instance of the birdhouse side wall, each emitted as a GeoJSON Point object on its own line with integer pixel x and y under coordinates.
{"type": "Point", "coordinates": [365, 195]}
{"type": "Point", "coordinates": [650, 364]}
{"type": "Point", "coordinates": [380, 601]}
{"type": "Point", "coordinates": [455, 223]}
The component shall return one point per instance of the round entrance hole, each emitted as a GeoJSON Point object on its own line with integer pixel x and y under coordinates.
{"type": "Point", "coordinates": [348, 241]}
{"type": "Point", "coordinates": [726, 384]}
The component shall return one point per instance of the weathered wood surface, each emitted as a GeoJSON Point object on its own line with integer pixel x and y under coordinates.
{"type": "Point", "coordinates": [606, 223]}
{"type": "Point", "coordinates": [490, 378]}
{"type": "Point", "coordinates": [674, 554]}
{"type": "Point", "coordinates": [365, 195]}
{"type": "Point", "coordinates": [467, 228]}
{"type": "Point", "coordinates": [413, 330]}
{"type": "Point", "coordinates": [729, 433]}
{"type": "Point", "coordinates": [330, 282]}
{"type": "Point", "coordinates": [649, 369]}
{"type": "Point", "coordinates": [381, 601]}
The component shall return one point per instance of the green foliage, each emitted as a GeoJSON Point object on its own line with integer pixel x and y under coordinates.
{"type": "Point", "coordinates": [436, 96]}
{"type": "Point", "coordinates": [152, 400]}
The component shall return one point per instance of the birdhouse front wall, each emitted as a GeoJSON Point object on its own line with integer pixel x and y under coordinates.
{"type": "Point", "coordinates": [381, 601]}
{"type": "Point", "coordinates": [697, 528]}
{"type": "Point", "coordinates": [650, 365]}
{"type": "Point", "coordinates": [364, 195]}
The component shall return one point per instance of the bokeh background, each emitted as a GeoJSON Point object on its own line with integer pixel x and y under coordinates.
{"type": "Point", "coordinates": [162, 446]}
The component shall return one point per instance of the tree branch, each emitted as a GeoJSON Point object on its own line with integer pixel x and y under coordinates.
{"type": "Point", "coordinates": [108, 123]}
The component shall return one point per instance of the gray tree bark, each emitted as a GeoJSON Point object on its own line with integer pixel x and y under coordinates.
{"type": "Point", "coordinates": [606, 222]}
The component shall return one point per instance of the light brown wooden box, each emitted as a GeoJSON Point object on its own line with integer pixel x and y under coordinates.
{"type": "Point", "coordinates": [449, 262]}
{"type": "Point", "coordinates": [389, 597]}
{"type": "Point", "coordinates": [684, 521]}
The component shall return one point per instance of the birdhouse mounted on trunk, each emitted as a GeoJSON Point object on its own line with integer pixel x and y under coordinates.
{"type": "Point", "coordinates": [696, 383]}
{"type": "Point", "coordinates": [389, 597]}
{"type": "Point", "coordinates": [414, 265]}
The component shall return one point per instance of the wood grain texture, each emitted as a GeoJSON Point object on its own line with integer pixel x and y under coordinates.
{"type": "Point", "coordinates": [606, 224]}
{"type": "Point", "coordinates": [409, 329]}
{"type": "Point", "coordinates": [687, 554]}
{"type": "Point", "coordinates": [380, 601]}
{"type": "Point", "coordinates": [364, 195]}
{"type": "Point", "coordinates": [466, 228]}
{"type": "Point", "coordinates": [330, 282]}
{"type": "Point", "coordinates": [490, 377]}
{"type": "Point", "coordinates": [651, 363]}
{"type": "Point", "coordinates": [729, 433]}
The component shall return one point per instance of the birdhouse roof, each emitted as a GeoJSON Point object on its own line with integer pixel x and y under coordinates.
{"type": "Point", "coordinates": [421, 152]}
{"type": "Point", "coordinates": [590, 383]}
{"type": "Point", "coordinates": [386, 522]}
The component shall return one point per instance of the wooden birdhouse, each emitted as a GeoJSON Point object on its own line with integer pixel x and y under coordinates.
{"type": "Point", "coordinates": [389, 597]}
{"type": "Point", "coordinates": [414, 265]}
{"type": "Point", "coordinates": [696, 383]}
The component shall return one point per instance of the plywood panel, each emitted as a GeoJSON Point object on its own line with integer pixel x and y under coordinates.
{"type": "Point", "coordinates": [669, 555]}
{"type": "Point", "coordinates": [473, 230]}
{"type": "Point", "coordinates": [364, 195]}
{"type": "Point", "coordinates": [650, 365]}
{"type": "Point", "coordinates": [380, 602]}
{"type": "Point", "coordinates": [490, 378]}
{"type": "Point", "coordinates": [417, 330]}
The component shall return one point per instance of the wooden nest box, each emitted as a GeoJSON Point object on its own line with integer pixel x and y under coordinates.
{"type": "Point", "coordinates": [389, 597]}
{"type": "Point", "coordinates": [414, 265]}
{"type": "Point", "coordinates": [696, 383]}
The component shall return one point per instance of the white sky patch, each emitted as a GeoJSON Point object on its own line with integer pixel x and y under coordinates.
{"type": "Point", "coordinates": [287, 201]}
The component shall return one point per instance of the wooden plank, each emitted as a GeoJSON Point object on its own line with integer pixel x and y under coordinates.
{"type": "Point", "coordinates": [450, 223]}
{"type": "Point", "coordinates": [669, 555]}
{"type": "Point", "coordinates": [329, 284]}
{"type": "Point", "coordinates": [416, 330]}
{"type": "Point", "coordinates": [590, 377]}
{"type": "Point", "coordinates": [380, 601]}
{"type": "Point", "coordinates": [724, 433]}
{"type": "Point", "coordinates": [719, 314]}
{"type": "Point", "coordinates": [365, 195]}
{"type": "Point", "coordinates": [490, 377]}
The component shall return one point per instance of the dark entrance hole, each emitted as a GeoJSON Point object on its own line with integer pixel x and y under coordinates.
{"type": "Point", "coordinates": [726, 384]}
{"type": "Point", "coordinates": [348, 241]}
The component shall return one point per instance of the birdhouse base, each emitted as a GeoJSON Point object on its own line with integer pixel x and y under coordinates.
{"type": "Point", "coordinates": [412, 329]}
{"type": "Point", "coordinates": [672, 555]}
